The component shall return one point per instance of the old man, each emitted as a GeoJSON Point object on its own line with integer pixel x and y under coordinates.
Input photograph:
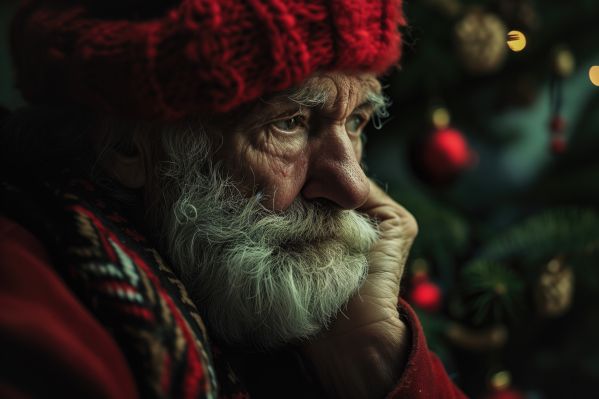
{"type": "Point", "coordinates": [184, 209]}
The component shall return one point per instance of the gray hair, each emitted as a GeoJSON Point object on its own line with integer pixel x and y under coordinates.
{"type": "Point", "coordinates": [310, 96]}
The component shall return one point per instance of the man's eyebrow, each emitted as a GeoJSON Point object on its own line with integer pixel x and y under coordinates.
{"type": "Point", "coordinates": [311, 96]}
{"type": "Point", "coordinates": [308, 96]}
{"type": "Point", "coordinates": [379, 103]}
{"type": "Point", "coordinates": [304, 96]}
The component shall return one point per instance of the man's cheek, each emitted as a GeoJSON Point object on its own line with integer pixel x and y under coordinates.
{"type": "Point", "coordinates": [282, 182]}
{"type": "Point", "coordinates": [279, 177]}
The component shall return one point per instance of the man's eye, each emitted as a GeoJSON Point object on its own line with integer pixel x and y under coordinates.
{"type": "Point", "coordinates": [355, 123]}
{"type": "Point", "coordinates": [290, 124]}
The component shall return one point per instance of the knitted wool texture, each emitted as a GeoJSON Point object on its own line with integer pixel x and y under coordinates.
{"type": "Point", "coordinates": [161, 59]}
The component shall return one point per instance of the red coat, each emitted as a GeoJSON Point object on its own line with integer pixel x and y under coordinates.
{"type": "Point", "coordinates": [52, 346]}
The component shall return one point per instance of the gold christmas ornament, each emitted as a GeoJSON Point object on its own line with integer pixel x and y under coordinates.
{"type": "Point", "coordinates": [563, 62]}
{"type": "Point", "coordinates": [481, 41]}
{"type": "Point", "coordinates": [555, 289]}
{"type": "Point", "coordinates": [501, 380]}
{"type": "Point", "coordinates": [440, 117]}
{"type": "Point", "coordinates": [477, 340]}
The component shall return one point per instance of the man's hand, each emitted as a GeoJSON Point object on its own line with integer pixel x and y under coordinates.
{"type": "Point", "coordinates": [363, 352]}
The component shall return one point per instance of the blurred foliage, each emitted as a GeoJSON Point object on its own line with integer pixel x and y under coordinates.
{"type": "Point", "coordinates": [568, 232]}
{"type": "Point", "coordinates": [494, 291]}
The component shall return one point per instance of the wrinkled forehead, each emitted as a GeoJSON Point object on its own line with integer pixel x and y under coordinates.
{"type": "Point", "coordinates": [334, 90]}
{"type": "Point", "coordinates": [333, 93]}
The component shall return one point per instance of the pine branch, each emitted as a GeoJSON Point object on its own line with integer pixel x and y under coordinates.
{"type": "Point", "coordinates": [565, 231]}
{"type": "Point", "coordinates": [494, 291]}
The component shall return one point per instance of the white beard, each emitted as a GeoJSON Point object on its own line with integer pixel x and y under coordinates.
{"type": "Point", "coordinates": [260, 279]}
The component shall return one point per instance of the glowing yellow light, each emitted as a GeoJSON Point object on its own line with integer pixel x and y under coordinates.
{"type": "Point", "coordinates": [501, 380]}
{"type": "Point", "coordinates": [594, 75]}
{"type": "Point", "coordinates": [516, 40]}
{"type": "Point", "coordinates": [441, 118]}
{"type": "Point", "coordinates": [564, 62]}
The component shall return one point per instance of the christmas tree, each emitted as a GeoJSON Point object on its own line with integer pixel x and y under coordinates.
{"type": "Point", "coordinates": [492, 145]}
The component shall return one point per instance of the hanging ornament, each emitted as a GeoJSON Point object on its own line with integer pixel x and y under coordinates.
{"type": "Point", "coordinates": [563, 62]}
{"type": "Point", "coordinates": [446, 153]}
{"type": "Point", "coordinates": [563, 66]}
{"type": "Point", "coordinates": [554, 289]}
{"type": "Point", "coordinates": [425, 294]}
{"type": "Point", "coordinates": [557, 126]}
{"type": "Point", "coordinates": [479, 340]}
{"type": "Point", "coordinates": [481, 41]}
{"type": "Point", "coordinates": [500, 387]}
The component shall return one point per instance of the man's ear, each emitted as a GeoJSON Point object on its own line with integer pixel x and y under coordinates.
{"type": "Point", "coordinates": [128, 169]}
{"type": "Point", "coordinates": [126, 162]}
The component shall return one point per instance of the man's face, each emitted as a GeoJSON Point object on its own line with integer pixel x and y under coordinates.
{"type": "Point", "coordinates": [306, 143]}
{"type": "Point", "coordinates": [263, 231]}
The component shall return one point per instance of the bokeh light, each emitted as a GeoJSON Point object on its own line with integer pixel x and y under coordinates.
{"type": "Point", "coordinates": [516, 40]}
{"type": "Point", "coordinates": [594, 75]}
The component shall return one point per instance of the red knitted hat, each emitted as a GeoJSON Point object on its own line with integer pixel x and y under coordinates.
{"type": "Point", "coordinates": [168, 59]}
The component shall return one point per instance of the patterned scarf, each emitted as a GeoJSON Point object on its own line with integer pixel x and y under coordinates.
{"type": "Point", "coordinates": [127, 286]}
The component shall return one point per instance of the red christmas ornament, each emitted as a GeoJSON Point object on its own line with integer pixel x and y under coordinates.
{"type": "Point", "coordinates": [558, 144]}
{"type": "Point", "coordinates": [506, 394]}
{"type": "Point", "coordinates": [557, 124]}
{"type": "Point", "coordinates": [563, 65]}
{"type": "Point", "coordinates": [426, 295]}
{"type": "Point", "coordinates": [501, 388]}
{"type": "Point", "coordinates": [447, 154]}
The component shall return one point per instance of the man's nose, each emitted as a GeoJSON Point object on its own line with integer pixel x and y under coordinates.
{"type": "Point", "coordinates": [335, 173]}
